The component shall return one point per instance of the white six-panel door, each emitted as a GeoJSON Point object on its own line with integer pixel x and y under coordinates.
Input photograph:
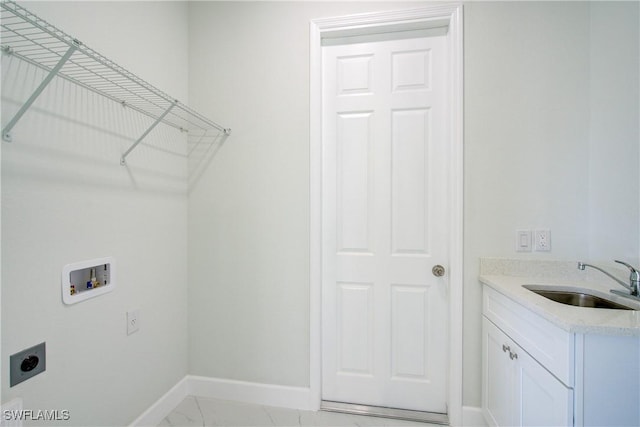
{"type": "Point", "coordinates": [385, 224]}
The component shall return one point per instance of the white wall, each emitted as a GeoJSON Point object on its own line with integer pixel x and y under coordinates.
{"type": "Point", "coordinates": [614, 148]}
{"type": "Point", "coordinates": [65, 198]}
{"type": "Point", "coordinates": [528, 137]}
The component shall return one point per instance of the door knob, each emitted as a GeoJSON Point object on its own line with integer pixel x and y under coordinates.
{"type": "Point", "coordinates": [438, 270]}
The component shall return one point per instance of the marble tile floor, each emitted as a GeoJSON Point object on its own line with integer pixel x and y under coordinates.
{"type": "Point", "coordinates": [206, 412]}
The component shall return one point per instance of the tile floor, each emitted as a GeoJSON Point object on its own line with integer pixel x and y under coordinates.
{"type": "Point", "coordinates": [205, 412]}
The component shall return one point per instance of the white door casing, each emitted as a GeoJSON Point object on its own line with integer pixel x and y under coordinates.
{"type": "Point", "coordinates": [443, 17]}
{"type": "Point", "coordinates": [385, 224]}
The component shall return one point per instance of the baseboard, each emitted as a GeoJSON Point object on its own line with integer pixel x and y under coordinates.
{"type": "Point", "coordinates": [249, 392]}
{"type": "Point", "coordinates": [472, 417]}
{"type": "Point", "coordinates": [216, 388]}
{"type": "Point", "coordinates": [255, 393]}
{"type": "Point", "coordinates": [163, 406]}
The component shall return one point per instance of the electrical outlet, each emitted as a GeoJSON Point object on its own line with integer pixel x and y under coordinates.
{"type": "Point", "coordinates": [523, 240]}
{"type": "Point", "coordinates": [542, 240]}
{"type": "Point", "coordinates": [133, 321]}
{"type": "Point", "coordinates": [27, 363]}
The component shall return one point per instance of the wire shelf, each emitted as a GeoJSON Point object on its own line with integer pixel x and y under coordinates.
{"type": "Point", "coordinates": [32, 39]}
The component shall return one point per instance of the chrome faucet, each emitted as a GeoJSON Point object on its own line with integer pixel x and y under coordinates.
{"type": "Point", "coordinates": [634, 279]}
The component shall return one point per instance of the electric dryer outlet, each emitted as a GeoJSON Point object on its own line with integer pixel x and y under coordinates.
{"type": "Point", "coordinates": [27, 363]}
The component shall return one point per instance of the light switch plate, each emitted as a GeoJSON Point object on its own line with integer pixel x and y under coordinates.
{"type": "Point", "coordinates": [27, 363]}
{"type": "Point", "coordinates": [523, 240]}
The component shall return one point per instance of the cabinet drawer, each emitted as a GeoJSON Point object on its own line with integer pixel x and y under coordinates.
{"type": "Point", "coordinates": [551, 346]}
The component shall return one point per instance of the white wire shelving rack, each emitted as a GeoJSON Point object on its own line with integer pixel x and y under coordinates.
{"type": "Point", "coordinates": [32, 39]}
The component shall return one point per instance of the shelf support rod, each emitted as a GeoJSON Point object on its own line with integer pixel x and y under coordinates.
{"type": "Point", "coordinates": [6, 132]}
{"type": "Point", "coordinates": [139, 140]}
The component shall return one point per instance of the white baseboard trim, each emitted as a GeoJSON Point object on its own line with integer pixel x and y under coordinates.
{"type": "Point", "coordinates": [163, 406]}
{"type": "Point", "coordinates": [248, 392]}
{"type": "Point", "coordinates": [472, 417]}
{"type": "Point", "coordinates": [217, 388]}
{"type": "Point", "coordinates": [255, 393]}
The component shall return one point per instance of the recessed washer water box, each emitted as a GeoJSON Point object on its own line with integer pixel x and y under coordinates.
{"type": "Point", "coordinates": [88, 279]}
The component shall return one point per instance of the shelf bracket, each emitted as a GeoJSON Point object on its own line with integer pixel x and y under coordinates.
{"type": "Point", "coordinates": [139, 140]}
{"type": "Point", "coordinates": [6, 132]}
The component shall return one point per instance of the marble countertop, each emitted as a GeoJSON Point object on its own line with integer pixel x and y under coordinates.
{"type": "Point", "coordinates": [509, 282]}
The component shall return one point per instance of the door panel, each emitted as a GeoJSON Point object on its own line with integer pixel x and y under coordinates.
{"type": "Point", "coordinates": [409, 345]}
{"type": "Point", "coordinates": [354, 182]}
{"type": "Point", "coordinates": [409, 181]}
{"type": "Point", "coordinates": [411, 70]}
{"type": "Point", "coordinates": [384, 224]}
{"type": "Point", "coordinates": [354, 75]}
{"type": "Point", "coordinates": [355, 328]}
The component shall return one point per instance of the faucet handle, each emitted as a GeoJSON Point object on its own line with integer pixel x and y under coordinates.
{"type": "Point", "coordinates": [633, 270]}
{"type": "Point", "coordinates": [634, 278]}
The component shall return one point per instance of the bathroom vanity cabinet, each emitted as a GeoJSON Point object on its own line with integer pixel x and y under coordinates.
{"type": "Point", "coordinates": [537, 373]}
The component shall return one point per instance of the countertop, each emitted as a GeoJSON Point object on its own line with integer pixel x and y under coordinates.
{"type": "Point", "coordinates": [582, 320]}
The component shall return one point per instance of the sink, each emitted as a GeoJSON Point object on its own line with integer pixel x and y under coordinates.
{"type": "Point", "coordinates": [577, 297]}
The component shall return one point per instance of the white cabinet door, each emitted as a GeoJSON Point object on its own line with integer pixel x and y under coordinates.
{"type": "Point", "coordinates": [498, 377]}
{"type": "Point", "coordinates": [517, 390]}
{"type": "Point", "coordinates": [543, 400]}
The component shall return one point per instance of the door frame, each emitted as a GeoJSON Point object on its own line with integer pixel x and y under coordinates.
{"type": "Point", "coordinates": [440, 16]}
